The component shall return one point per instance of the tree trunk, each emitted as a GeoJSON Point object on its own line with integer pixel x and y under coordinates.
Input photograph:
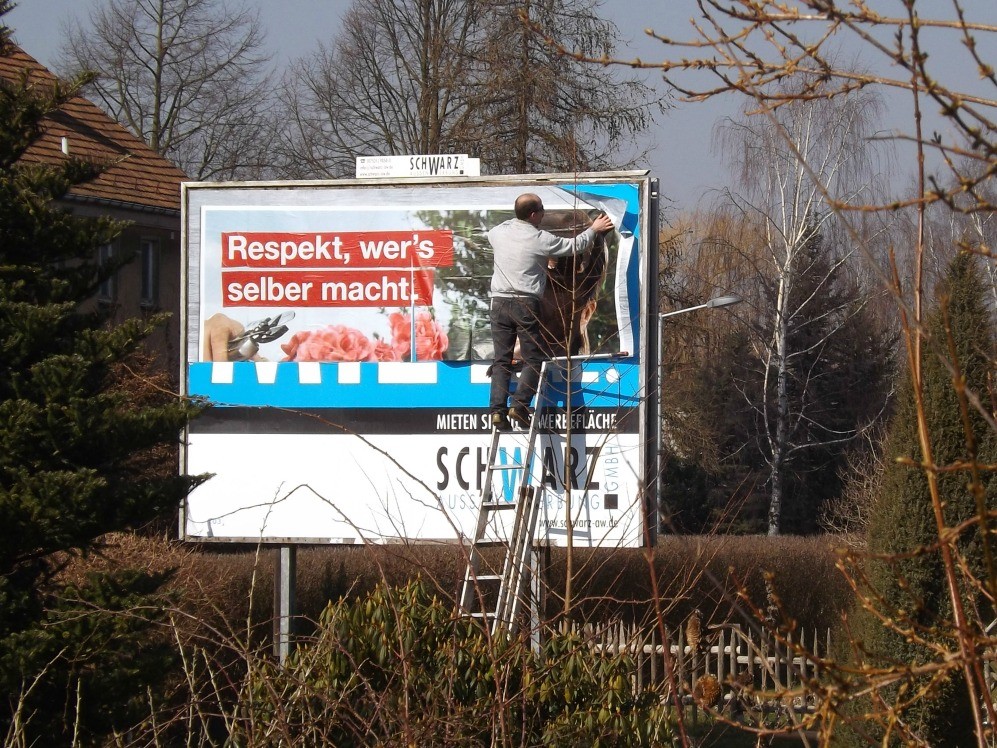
{"type": "Point", "coordinates": [779, 441]}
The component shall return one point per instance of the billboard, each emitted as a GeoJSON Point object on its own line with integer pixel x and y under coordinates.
{"type": "Point", "coordinates": [340, 332]}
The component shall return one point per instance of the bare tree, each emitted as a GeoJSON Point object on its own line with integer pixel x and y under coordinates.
{"type": "Point", "coordinates": [540, 110]}
{"type": "Point", "coordinates": [187, 76]}
{"type": "Point", "coordinates": [790, 164]}
{"type": "Point", "coordinates": [393, 82]}
{"type": "Point", "coordinates": [722, 372]}
{"type": "Point", "coordinates": [430, 76]}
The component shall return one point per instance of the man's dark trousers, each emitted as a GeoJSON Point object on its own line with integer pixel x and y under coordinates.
{"type": "Point", "coordinates": [512, 318]}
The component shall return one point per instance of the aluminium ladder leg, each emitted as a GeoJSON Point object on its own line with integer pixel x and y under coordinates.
{"type": "Point", "coordinates": [472, 593]}
{"type": "Point", "coordinates": [517, 556]}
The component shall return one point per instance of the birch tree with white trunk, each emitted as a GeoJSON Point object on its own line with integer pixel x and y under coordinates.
{"type": "Point", "coordinates": [789, 161]}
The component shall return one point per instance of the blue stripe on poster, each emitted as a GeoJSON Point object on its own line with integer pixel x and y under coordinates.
{"type": "Point", "coordinates": [431, 384]}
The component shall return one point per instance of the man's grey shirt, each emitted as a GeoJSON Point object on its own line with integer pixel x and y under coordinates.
{"type": "Point", "coordinates": [521, 252]}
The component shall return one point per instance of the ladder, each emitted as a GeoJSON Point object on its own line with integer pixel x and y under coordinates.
{"type": "Point", "coordinates": [479, 589]}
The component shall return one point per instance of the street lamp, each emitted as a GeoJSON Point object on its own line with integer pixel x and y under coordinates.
{"type": "Point", "coordinates": [714, 303]}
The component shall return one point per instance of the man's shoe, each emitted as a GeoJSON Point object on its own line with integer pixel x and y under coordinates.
{"type": "Point", "coordinates": [520, 416]}
{"type": "Point", "coordinates": [501, 422]}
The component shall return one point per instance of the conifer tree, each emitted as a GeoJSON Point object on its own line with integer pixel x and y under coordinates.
{"type": "Point", "coordinates": [77, 449]}
{"type": "Point", "coordinates": [905, 567]}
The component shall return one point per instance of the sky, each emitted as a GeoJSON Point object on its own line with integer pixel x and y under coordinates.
{"type": "Point", "coordinates": [682, 155]}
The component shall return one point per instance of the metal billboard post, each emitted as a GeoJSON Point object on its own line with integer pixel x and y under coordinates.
{"type": "Point", "coordinates": [284, 600]}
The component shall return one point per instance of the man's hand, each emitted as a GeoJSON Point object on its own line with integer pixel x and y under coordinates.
{"type": "Point", "coordinates": [602, 224]}
{"type": "Point", "coordinates": [218, 331]}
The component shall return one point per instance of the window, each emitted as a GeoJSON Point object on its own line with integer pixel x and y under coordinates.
{"type": "Point", "coordinates": [150, 273]}
{"type": "Point", "coordinates": [108, 289]}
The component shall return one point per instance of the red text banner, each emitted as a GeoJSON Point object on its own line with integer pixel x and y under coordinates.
{"type": "Point", "coordinates": [336, 250]}
{"type": "Point", "coordinates": [337, 288]}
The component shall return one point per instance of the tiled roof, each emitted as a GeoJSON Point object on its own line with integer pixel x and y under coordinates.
{"type": "Point", "coordinates": [140, 178]}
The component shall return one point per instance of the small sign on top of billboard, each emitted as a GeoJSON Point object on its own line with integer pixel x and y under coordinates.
{"type": "Point", "coordinates": [411, 167]}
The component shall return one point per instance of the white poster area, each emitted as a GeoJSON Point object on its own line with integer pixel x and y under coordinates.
{"type": "Point", "coordinates": [250, 496]}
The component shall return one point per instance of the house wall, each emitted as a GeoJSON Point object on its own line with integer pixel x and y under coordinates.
{"type": "Point", "coordinates": [164, 344]}
{"type": "Point", "coordinates": [163, 231]}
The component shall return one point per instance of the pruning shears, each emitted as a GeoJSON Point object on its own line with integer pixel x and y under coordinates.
{"type": "Point", "coordinates": [246, 345]}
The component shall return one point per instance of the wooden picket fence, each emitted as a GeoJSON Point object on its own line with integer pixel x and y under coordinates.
{"type": "Point", "coordinates": [753, 671]}
{"type": "Point", "coordinates": [741, 660]}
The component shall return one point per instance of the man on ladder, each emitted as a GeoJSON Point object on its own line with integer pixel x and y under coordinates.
{"type": "Point", "coordinates": [521, 251]}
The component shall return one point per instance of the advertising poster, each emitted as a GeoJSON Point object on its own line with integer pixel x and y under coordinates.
{"type": "Point", "coordinates": [340, 332]}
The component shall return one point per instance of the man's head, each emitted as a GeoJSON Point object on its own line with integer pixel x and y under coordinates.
{"type": "Point", "coordinates": [529, 207]}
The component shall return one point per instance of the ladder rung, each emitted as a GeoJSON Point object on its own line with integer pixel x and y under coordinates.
{"type": "Point", "coordinates": [482, 614]}
{"type": "Point", "coordinates": [489, 543]}
{"type": "Point", "coordinates": [498, 506]}
{"type": "Point", "coordinates": [514, 466]}
{"type": "Point", "coordinates": [486, 577]}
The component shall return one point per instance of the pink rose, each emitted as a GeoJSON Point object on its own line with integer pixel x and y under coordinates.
{"type": "Point", "coordinates": [400, 334]}
{"type": "Point", "coordinates": [331, 343]}
{"type": "Point", "coordinates": [384, 352]}
{"type": "Point", "coordinates": [431, 341]}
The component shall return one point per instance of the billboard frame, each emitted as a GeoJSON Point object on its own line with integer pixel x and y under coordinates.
{"type": "Point", "coordinates": [646, 346]}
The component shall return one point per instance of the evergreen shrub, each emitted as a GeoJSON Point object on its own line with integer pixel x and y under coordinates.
{"type": "Point", "coordinates": [397, 667]}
